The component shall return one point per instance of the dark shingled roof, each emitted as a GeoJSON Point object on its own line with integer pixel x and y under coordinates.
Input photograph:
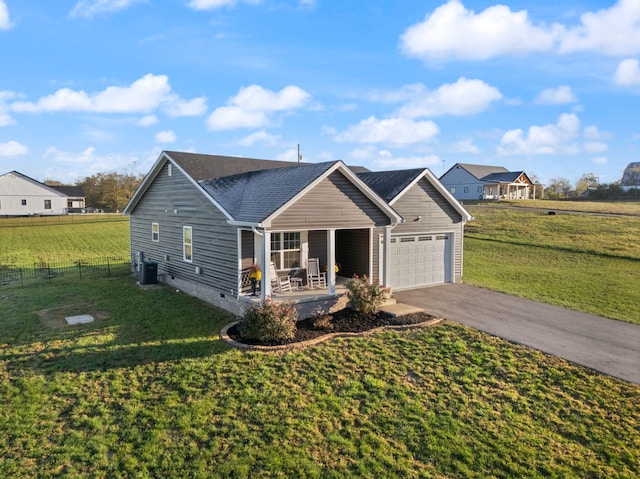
{"type": "Point", "coordinates": [71, 191]}
{"type": "Point", "coordinates": [631, 175]}
{"type": "Point", "coordinates": [389, 184]}
{"type": "Point", "coordinates": [205, 167]}
{"type": "Point", "coordinates": [255, 195]}
{"type": "Point", "coordinates": [503, 177]}
{"type": "Point", "coordinates": [481, 171]}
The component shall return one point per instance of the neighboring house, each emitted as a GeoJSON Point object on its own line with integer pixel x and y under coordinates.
{"type": "Point", "coordinates": [24, 196]}
{"type": "Point", "coordinates": [205, 220]}
{"type": "Point", "coordinates": [631, 177]}
{"type": "Point", "coordinates": [479, 182]}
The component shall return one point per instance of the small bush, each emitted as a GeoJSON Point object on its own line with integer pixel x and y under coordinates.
{"type": "Point", "coordinates": [269, 322]}
{"type": "Point", "coordinates": [323, 322]}
{"type": "Point", "coordinates": [363, 296]}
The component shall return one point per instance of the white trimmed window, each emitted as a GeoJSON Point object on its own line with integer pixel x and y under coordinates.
{"type": "Point", "coordinates": [47, 204]}
{"type": "Point", "coordinates": [187, 243]}
{"type": "Point", "coordinates": [453, 190]}
{"type": "Point", "coordinates": [466, 189]}
{"type": "Point", "coordinates": [155, 232]}
{"type": "Point", "coordinates": [480, 189]}
{"type": "Point", "coordinates": [286, 250]}
{"type": "Point", "coordinates": [169, 169]}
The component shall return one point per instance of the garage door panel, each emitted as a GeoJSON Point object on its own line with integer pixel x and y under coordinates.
{"type": "Point", "coordinates": [419, 260]}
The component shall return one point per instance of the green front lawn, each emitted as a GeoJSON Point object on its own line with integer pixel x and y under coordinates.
{"type": "Point", "coordinates": [149, 390]}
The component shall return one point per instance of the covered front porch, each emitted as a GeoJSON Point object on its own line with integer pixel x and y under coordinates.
{"type": "Point", "coordinates": [341, 254]}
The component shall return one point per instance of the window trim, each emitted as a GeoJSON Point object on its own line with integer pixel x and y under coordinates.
{"type": "Point", "coordinates": [187, 245]}
{"type": "Point", "coordinates": [23, 202]}
{"type": "Point", "coordinates": [47, 204]}
{"type": "Point", "coordinates": [155, 232]}
{"type": "Point", "coordinates": [281, 250]}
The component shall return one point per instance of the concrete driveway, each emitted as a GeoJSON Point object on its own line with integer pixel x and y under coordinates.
{"type": "Point", "coordinates": [609, 346]}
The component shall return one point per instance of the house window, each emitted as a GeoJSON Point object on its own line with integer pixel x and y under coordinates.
{"type": "Point", "coordinates": [285, 250]}
{"type": "Point", "coordinates": [479, 189]}
{"type": "Point", "coordinates": [491, 190]}
{"type": "Point", "coordinates": [169, 169]}
{"type": "Point", "coordinates": [155, 232]}
{"type": "Point", "coordinates": [47, 204]}
{"type": "Point", "coordinates": [187, 243]}
{"type": "Point", "coordinates": [23, 202]}
{"type": "Point", "coordinates": [466, 189]}
{"type": "Point", "coordinates": [453, 190]}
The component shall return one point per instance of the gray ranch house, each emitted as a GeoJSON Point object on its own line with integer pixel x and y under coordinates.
{"type": "Point", "coordinates": [481, 182]}
{"type": "Point", "coordinates": [205, 220]}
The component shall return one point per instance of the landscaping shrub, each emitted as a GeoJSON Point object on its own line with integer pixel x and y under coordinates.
{"type": "Point", "coordinates": [269, 322]}
{"type": "Point", "coordinates": [364, 297]}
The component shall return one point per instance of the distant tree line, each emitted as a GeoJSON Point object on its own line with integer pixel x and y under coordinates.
{"type": "Point", "coordinates": [589, 187]}
{"type": "Point", "coordinates": [107, 191]}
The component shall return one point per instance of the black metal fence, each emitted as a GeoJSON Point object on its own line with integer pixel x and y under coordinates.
{"type": "Point", "coordinates": [45, 272]}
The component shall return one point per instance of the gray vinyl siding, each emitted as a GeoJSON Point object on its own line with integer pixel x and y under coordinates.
{"type": "Point", "coordinates": [174, 202]}
{"type": "Point", "coordinates": [318, 245]}
{"type": "Point", "coordinates": [437, 216]}
{"type": "Point", "coordinates": [459, 178]}
{"type": "Point", "coordinates": [334, 203]}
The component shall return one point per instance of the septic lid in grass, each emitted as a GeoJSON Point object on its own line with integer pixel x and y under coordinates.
{"type": "Point", "coordinates": [80, 319]}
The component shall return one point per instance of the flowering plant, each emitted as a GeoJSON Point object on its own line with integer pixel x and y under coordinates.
{"type": "Point", "coordinates": [269, 322]}
{"type": "Point", "coordinates": [364, 296]}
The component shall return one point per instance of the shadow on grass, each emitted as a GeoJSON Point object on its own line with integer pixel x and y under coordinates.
{"type": "Point", "coordinates": [141, 327]}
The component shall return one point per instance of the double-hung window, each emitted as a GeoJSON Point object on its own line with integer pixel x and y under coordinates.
{"type": "Point", "coordinates": [187, 244]}
{"type": "Point", "coordinates": [47, 204]}
{"type": "Point", "coordinates": [285, 250]}
{"type": "Point", "coordinates": [155, 232]}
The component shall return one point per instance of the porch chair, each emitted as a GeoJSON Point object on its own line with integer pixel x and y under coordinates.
{"type": "Point", "coordinates": [314, 275]}
{"type": "Point", "coordinates": [279, 283]}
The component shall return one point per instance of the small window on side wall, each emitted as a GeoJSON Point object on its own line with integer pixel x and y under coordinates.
{"type": "Point", "coordinates": [169, 169]}
{"type": "Point", "coordinates": [466, 189]}
{"type": "Point", "coordinates": [453, 190]}
{"type": "Point", "coordinates": [155, 232]}
{"type": "Point", "coordinates": [23, 202]}
{"type": "Point", "coordinates": [47, 204]}
{"type": "Point", "coordinates": [187, 244]}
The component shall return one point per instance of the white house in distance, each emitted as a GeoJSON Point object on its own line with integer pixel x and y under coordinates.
{"type": "Point", "coordinates": [481, 182]}
{"type": "Point", "coordinates": [24, 196]}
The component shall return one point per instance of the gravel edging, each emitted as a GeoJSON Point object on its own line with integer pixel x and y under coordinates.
{"type": "Point", "coordinates": [303, 344]}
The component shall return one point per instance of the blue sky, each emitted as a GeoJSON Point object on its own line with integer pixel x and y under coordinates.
{"type": "Point", "coordinates": [548, 87]}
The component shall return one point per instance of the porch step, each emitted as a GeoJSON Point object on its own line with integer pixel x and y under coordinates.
{"type": "Point", "coordinates": [399, 309]}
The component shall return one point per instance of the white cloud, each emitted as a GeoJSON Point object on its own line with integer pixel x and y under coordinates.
{"type": "Point", "coordinates": [167, 136]}
{"type": "Point", "coordinates": [563, 138]}
{"type": "Point", "coordinates": [391, 131]}
{"type": "Point", "coordinates": [147, 120]}
{"type": "Point", "coordinates": [89, 161]}
{"type": "Point", "coordinates": [92, 8]}
{"type": "Point", "coordinates": [452, 31]}
{"type": "Point", "coordinates": [464, 97]}
{"type": "Point", "coordinates": [251, 107]}
{"type": "Point", "coordinates": [556, 96]}
{"type": "Point", "coordinates": [259, 137]}
{"type": "Point", "coordinates": [195, 107]}
{"type": "Point", "coordinates": [599, 160]}
{"type": "Point", "coordinates": [142, 96]}
{"type": "Point", "coordinates": [213, 4]}
{"type": "Point", "coordinates": [628, 72]}
{"type": "Point", "coordinates": [13, 148]}
{"type": "Point", "coordinates": [465, 146]}
{"type": "Point", "coordinates": [5, 23]}
{"type": "Point", "coordinates": [609, 31]}
{"type": "Point", "coordinates": [6, 120]}
{"type": "Point", "coordinates": [385, 160]}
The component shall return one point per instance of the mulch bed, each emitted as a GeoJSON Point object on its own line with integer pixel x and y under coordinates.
{"type": "Point", "coordinates": [343, 321]}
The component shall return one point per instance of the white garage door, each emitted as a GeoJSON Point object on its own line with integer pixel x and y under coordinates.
{"type": "Point", "coordinates": [420, 260]}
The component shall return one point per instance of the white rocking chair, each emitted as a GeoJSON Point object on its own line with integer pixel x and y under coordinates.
{"type": "Point", "coordinates": [279, 284]}
{"type": "Point", "coordinates": [314, 275]}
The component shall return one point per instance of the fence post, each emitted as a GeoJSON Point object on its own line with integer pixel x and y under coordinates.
{"type": "Point", "coordinates": [80, 268]}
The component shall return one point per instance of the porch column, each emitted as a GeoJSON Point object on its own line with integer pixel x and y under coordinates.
{"type": "Point", "coordinates": [265, 260]}
{"type": "Point", "coordinates": [385, 257]}
{"type": "Point", "coordinates": [331, 261]}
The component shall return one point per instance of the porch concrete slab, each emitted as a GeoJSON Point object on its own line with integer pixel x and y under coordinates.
{"type": "Point", "coordinates": [400, 309]}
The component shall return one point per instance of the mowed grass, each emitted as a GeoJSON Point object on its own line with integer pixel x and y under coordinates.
{"type": "Point", "coordinates": [149, 390]}
{"type": "Point", "coordinates": [25, 241]}
{"type": "Point", "coordinates": [584, 262]}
